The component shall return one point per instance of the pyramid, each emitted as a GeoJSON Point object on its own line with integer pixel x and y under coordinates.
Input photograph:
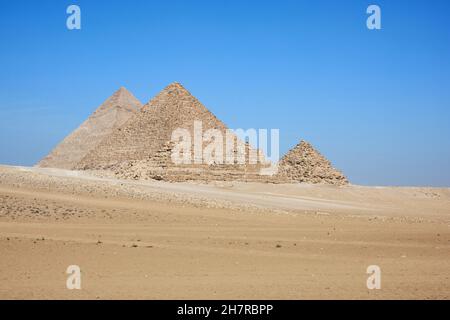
{"type": "Point", "coordinates": [113, 113]}
{"type": "Point", "coordinates": [305, 164]}
{"type": "Point", "coordinates": [142, 147]}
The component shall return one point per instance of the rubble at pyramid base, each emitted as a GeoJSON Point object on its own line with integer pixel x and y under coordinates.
{"type": "Point", "coordinates": [145, 170]}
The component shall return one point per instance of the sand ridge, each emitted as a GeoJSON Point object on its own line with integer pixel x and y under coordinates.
{"type": "Point", "coordinates": [158, 240]}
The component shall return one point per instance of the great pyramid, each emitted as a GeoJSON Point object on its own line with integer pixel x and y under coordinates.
{"type": "Point", "coordinates": [304, 164]}
{"type": "Point", "coordinates": [142, 147]}
{"type": "Point", "coordinates": [113, 113]}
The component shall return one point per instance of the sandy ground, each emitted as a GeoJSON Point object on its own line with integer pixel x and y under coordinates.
{"type": "Point", "coordinates": [157, 240]}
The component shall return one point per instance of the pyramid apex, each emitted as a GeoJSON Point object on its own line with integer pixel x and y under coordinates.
{"type": "Point", "coordinates": [175, 88]}
{"type": "Point", "coordinates": [121, 98]}
{"type": "Point", "coordinates": [304, 143]}
{"type": "Point", "coordinates": [122, 90]}
{"type": "Point", "coordinates": [175, 85]}
{"type": "Point", "coordinates": [124, 93]}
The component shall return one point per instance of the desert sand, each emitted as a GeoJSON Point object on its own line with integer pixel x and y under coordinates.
{"type": "Point", "coordinates": [221, 240]}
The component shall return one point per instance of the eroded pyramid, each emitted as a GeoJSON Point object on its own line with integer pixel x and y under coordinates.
{"type": "Point", "coordinates": [305, 164]}
{"type": "Point", "coordinates": [113, 113]}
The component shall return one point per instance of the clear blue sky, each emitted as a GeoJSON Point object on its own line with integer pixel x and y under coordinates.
{"type": "Point", "coordinates": [376, 103]}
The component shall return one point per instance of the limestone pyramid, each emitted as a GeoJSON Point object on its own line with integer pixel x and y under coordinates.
{"type": "Point", "coordinates": [305, 164]}
{"type": "Point", "coordinates": [141, 148]}
{"type": "Point", "coordinates": [113, 113]}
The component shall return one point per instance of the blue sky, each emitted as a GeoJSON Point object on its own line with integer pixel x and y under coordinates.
{"type": "Point", "coordinates": [375, 102]}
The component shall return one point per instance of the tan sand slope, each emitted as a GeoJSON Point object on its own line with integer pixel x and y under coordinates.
{"type": "Point", "coordinates": [109, 116]}
{"type": "Point", "coordinates": [154, 239]}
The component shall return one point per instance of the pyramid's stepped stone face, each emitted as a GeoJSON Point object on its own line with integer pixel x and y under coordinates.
{"type": "Point", "coordinates": [141, 171]}
{"type": "Point", "coordinates": [304, 164]}
{"type": "Point", "coordinates": [160, 169]}
{"type": "Point", "coordinates": [113, 113]}
{"type": "Point", "coordinates": [144, 141]}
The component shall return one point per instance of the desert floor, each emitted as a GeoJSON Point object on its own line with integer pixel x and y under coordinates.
{"type": "Point", "coordinates": [158, 240]}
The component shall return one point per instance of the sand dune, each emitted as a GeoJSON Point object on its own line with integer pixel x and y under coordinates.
{"type": "Point", "coordinates": [154, 239]}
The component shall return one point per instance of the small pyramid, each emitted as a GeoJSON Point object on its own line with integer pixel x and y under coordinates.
{"type": "Point", "coordinates": [305, 164]}
{"type": "Point", "coordinates": [143, 143]}
{"type": "Point", "coordinates": [113, 113]}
